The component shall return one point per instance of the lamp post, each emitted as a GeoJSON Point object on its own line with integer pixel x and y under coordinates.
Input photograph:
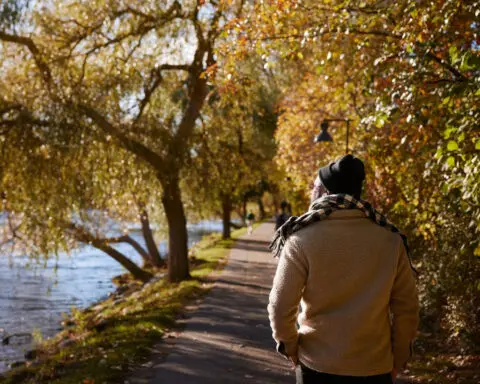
{"type": "Point", "coordinates": [324, 136]}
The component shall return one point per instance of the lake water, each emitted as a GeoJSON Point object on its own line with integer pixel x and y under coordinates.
{"type": "Point", "coordinates": [34, 298]}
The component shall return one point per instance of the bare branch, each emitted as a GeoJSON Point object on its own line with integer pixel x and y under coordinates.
{"type": "Point", "coordinates": [83, 235]}
{"type": "Point", "coordinates": [131, 241]}
{"type": "Point", "coordinates": [153, 250]}
{"type": "Point", "coordinates": [328, 32]}
{"type": "Point", "coordinates": [447, 66]}
{"type": "Point", "coordinates": [132, 145]}
{"type": "Point", "coordinates": [23, 118]}
{"type": "Point", "coordinates": [29, 43]}
{"type": "Point", "coordinates": [353, 95]}
{"type": "Point", "coordinates": [13, 229]}
{"type": "Point", "coordinates": [135, 12]}
{"type": "Point", "coordinates": [9, 108]}
{"type": "Point", "coordinates": [213, 32]}
{"type": "Point", "coordinates": [141, 30]}
{"type": "Point", "coordinates": [154, 82]}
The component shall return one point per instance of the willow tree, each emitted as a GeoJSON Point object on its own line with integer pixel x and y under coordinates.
{"type": "Point", "coordinates": [56, 196]}
{"type": "Point", "coordinates": [133, 73]}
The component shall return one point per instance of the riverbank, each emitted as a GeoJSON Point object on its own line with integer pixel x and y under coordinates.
{"type": "Point", "coordinates": [36, 293]}
{"type": "Point", "coordinates": [104, 342]}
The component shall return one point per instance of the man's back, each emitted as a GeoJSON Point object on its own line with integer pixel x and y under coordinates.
{"type": "Point", "coordinates": [348, 271]}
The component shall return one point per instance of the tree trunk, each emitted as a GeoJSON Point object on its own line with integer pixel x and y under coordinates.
{"type": "Point", "coordinates": [261, 208]}
{"type": "Point", "coordinates": [84, 236]}
{"type": "Point", "coordinates": [177, 229]}
{"type": "Point", "coordinates": [226, 215]}
{"type": "Point", "coordinates": [135, 245]}
{"type": "Point", "coordinates": [155, 257]}
{"type": "Point", "coordinates": [137, 272]}
{"type": "Point", "coordinates": [244, 209]}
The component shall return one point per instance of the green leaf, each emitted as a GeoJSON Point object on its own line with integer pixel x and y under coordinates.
{"type": "Point", "coordinates": [477, 145]}
{"type": "Point", "coordinates": [465, 65]}
{"type": "Point", "coordinates": [439, 153]}
{"type": "Point", "coordinates": [452, 145]}
{"type": "Point", "coordinates": [447, 132]}
{"type": "Point", "coordinates": [451, 161]}
{"type": "Point", "coordinates": [453, 54]}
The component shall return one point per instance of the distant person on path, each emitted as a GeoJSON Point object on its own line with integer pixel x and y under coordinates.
{"type": "Point", "coordinates": [250, 221]}
{"type": "Point", "coordinates": [350, 269]}
{"type": "Point", "coordinates": [283, 216]}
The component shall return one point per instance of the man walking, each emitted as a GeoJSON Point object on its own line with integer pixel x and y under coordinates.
{"type": "Point", "coordinates": [250, 221]}
{"type": "Point", "coordinates": [349, 268]}
{"type": "Point", "coordinates": [283, 216]}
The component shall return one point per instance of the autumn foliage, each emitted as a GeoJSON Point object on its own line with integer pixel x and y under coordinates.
{"type": "Point", "coordinates": [407, 74]}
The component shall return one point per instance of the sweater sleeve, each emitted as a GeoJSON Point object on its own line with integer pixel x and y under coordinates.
{"type": "Point", "coordinates": [288, 285]}
{"type": "Point", "coordinates": [404, 307]}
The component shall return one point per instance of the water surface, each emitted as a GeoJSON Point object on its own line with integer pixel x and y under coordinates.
{"type": "Point", "coordinates": [33, 299]}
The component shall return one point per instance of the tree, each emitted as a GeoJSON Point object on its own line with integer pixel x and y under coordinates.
{"type": "Point", "coordinates": [63, 204]}
{"type": "Point", "coordinates": [234, 147]}
{"type": "Point", "coordinates": [407, 73]}
{"type": "Point", "coordinates": [132, 74]}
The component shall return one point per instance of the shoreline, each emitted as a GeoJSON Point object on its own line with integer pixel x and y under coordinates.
{"type": "Point", "coordinates": [38, 295]}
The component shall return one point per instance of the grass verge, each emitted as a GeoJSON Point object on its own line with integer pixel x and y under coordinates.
{"type": "Point", "coordinates": [104, 343]}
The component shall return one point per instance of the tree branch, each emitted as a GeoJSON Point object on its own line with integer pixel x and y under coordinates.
{"type": "Point", "coordinates": [325, 33]}
{"type": "Point", "coordinates": [447, 66]}
{"type": "Point", "coordinates": [131, 145]}
{"type": "Point", "coordinates": [31, 46]}
{"type": "Point", "coordinates": [9, 108]}
{"type": "Point", "coordinates": [131, 241]}
{"type": "Point", "coordinates": [153, 251]}
{"type": "Point", "coordinates": [83, 235]}
{"type": "Point", "coordinates": [154, 82]}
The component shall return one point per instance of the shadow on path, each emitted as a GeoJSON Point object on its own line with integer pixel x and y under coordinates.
{"type": "Point", "coordinates": [227, 339]}
{"type": "Point", "coordinates": [252, 245]}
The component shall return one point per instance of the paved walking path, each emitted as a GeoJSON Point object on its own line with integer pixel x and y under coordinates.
{"type": "Point", "coordinates": [227, 339]}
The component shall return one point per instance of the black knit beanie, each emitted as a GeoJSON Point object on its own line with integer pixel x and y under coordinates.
{"type": "Point", "coordinates": [343, 176]}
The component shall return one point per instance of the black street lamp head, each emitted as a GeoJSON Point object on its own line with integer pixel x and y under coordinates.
{"type": "Point", "coordinates": [324, 135]}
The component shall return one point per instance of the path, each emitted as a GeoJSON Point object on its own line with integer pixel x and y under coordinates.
{"type": "Point", "coordinates": [227, 339]}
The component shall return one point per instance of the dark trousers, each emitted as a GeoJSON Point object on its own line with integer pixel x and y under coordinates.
{"type": "Point", "coordinates": [309, 376]}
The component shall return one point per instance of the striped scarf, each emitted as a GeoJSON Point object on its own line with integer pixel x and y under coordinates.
{"type": "Point", "coordinates": [320, 209]}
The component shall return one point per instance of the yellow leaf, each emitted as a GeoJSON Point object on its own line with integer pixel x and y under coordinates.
{"type": "Point", "coordinates": [476, 252]}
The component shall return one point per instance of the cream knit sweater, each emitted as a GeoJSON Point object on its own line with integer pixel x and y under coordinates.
{"type": "Point", "coordinates": [357, 293]}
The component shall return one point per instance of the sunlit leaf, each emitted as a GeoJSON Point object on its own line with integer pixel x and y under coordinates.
{"type": "Point", "coordinates": [452, 145]}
